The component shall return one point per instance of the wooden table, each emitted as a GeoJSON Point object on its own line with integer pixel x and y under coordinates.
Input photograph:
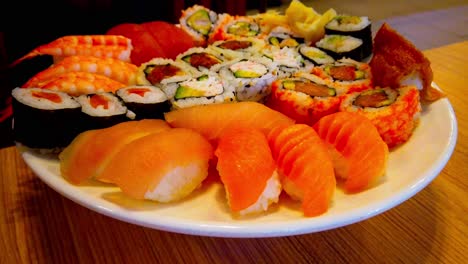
{"type": "Point", "coordinates": [39, 225]}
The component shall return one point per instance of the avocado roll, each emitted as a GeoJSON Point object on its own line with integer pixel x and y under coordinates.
{"type": "Point", "coordinates": [146, 102]}
{"type": "Point", "coordinates": [45, 119]}
{"type": "Point", "coordinates": [282, 36]}
{"type": "Point", "coordinates": [249, 78]}
{"type": "Point", "coordinates": [355, 26]}
{"type": "Point", "coordinates": [231, 27]}
{"type": "Point", "coordinates": [198, 21]}
{"type": "Point", "coordinates": [202, 90]}
{"type": "Point", "coordinates": [237, 48]}
{"type": "Point", "coordinates": [101, 110]}
{"type": "Point", "coordinates": [314, 55]}
{"type": "Point", "coordinates": [342, 46]}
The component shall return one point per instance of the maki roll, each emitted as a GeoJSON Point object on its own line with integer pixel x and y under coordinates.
{"type": "Point", "coordinates": [202, 90]}
{"type": "Point", "coordinates": [45, 119]}
{"type": "Point", "coordinates": [146, 102]}
{"type": "Point", "coordinates": [101, 110]}
{"type": "Point", "coordinates": [355, 26]}
{"type": "Point", "coordinates": [200, 59]}
{"type": "Point", "coordinates": [314, 55]}
{"type": "Point", "coordinates": [231, 27]}
{"type": "Point", "coordinates": [165, 73]}
{"type": "Point", "coordinates": [286, 60]}
{"type": "Point", "coordinates": [394, 112]}
{"type": "Point", "coordinates": [341, 46]}
{"type": "Point", "coordinates": [282, 36]}
{"type": "Point", "coordinates": [237, 48]}
{"type": "Point", "coordinates": [346, 75]}
{"type": "Point", "coordinates": [249, 78]}
{"type": "Point", "coordinates": [305, 98]}
{"type": "Point", "coordinates": [198, 21]}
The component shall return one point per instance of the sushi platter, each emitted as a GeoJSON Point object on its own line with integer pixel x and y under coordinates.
{"type": "Point", "coordinates": [236, 126]}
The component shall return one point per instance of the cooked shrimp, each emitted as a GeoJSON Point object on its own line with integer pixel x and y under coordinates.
{"type": "Point", "coordinates": [115, 69]}
{"type": "Point", "coordinates": [77, 83]}
{"type": "Point", "coordinates": [104, 46]}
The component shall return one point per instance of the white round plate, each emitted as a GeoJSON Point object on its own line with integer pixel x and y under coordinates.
{"type": "Point", "coordinates": [411, 167]}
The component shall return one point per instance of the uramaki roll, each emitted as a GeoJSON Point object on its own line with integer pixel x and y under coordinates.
{"type": "Point", "coordinates": [395, 112]}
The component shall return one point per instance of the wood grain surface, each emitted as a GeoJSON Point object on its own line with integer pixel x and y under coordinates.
{"type": "Point", "coordinates": [38, 225]}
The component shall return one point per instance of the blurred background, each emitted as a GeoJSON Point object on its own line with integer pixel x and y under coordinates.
{"type": "Point", "coordinates": [427, 23]}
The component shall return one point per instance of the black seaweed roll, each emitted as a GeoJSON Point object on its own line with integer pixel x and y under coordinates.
{"type": "Point", "coordinates": [146, 102]}
{"type": "Point", "coordinates": [341, 46]}
{"type": "Point", "coordinates": [355, 26]}
{"type": "Point", "coordinates": [45, 119]}
{"type": "Point", "coordinates": [101, 110]}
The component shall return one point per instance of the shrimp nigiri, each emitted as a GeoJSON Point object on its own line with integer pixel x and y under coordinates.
{"type": "Point", "coordinates": [115, 69]}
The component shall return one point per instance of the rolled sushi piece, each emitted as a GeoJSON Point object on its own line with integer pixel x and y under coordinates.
{"type": "Point", "coordinates": [286, 60]}
{"type": "Point", "coordinates": [394, 112]}
{"type": "Point", "coordinates": [237, 48]}
{"type": "Point", "coordinates": [314, 55]}
{"type": "Point", "coordinates": [199, 22]}
{"type": "Point", "coordinates": [231, 27]}
{"type": "Point", "coordinates": [146, 102]}
{"type": "Point", "coordinates": [45, 119]}
{"type": "Point", "coordinates": [247, 170]}
{"type": "Point", "coordinates": [283, 36]}
{"type": "Point", "coordinates": [250, 79]}
{"type": "Point", "coordinates": [346, 75]}
{"type": "Point", "coordinates": [101, 110]}
{"type": "Point", "coordinates": [305, 98]}
{"type": "Point", "coordinates": [202, 90]}
{"type": "Point", "coordinates": [342, 46]}
{"type": "Point", "coordinates": [355, 26]}
{"type": "Point", "coordinates": [201, 60]}
{"type": "Point", "coordinates": [163, 167]}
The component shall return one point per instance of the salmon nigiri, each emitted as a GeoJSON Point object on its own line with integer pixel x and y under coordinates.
{"type": "Point", "coordinates": [305, 167]}
{"type": "Point", "coordinates": [164, 167]}
{"type": "Point", "coordinates": [247, 170]}
{"type": "Point", "coordinates": [91, 150]}
{"type": "Point", "coordinates": [213, 120]}
{"type": "Point", "coordinates": [359, 154]}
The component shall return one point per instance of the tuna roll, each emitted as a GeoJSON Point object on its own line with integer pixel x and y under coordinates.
{"type": "Point", "coordinates": [147, 102]}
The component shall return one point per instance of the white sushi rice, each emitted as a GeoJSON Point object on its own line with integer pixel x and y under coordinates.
{"type": "Point", "coordinates": [339, 23]}
{"type": "Point", "coordinates": [178, 183]}
{"type": "Point", "coordinates": [286, 60]}
{"type": "Point", "coordinates": [154, 95]}
{"type": "Point", "coordinates": [115, 105]}
{"type": "Point", "coordinates": [249, 89]}
{"type": "Point", "coordinates": [26, 97]}
{"type": "Point", "coordinates": [269, 195]}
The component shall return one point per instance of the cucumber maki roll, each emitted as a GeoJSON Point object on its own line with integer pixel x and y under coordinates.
{"type": "Point", "coordinates": [146, 102]}
{"type": "Point", "coordinates": [202, 90]}
{"type": "Point", "coordinates": [355, 26]}
{"type": "Point", "coordinates": [341, 46]}
{"type": "Point", "coordinates": [45, 119]}
{"type": "Point", "coordinates": [249, 78]}
{"type": "Point", "coordinates": [314, 55]}
{"type": "Point", "coordinates": [198, 21]}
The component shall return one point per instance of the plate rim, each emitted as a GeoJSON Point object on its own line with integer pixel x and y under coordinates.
{"type": "Point", "coordinates": [258, 230]}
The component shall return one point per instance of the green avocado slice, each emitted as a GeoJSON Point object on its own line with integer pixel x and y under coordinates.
{"type": "Point", "coordinates": [185, 92]}
{"type": "Point", "coordinates": [200, 21]}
